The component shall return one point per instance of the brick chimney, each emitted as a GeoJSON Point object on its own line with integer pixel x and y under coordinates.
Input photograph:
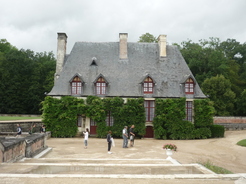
{"type": "Point", "coordinates": [162, 41]}
{"type": "Point", "coordinates": [61, 52]}
{"type": "Point", "coordinates": [123, 45]}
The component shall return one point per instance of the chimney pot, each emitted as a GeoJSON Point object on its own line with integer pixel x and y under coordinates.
{"type": "Point", "coordinates": [123, 45]}
{"type": "Point", "coordinates": [162, 41]}
{"type": "Point", "coordinates": [61, 52]}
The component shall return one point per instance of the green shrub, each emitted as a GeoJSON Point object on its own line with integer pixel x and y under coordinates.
{"type": "Point", "coordinates": [167, 113]}
{"type": "Point", "coordinates": [204, 113]}
{"type": "Point", "coordinates": [60, 115]}
{"type": "Point", "coordinates": [181, 130]}
{"type": "Point", "coordinates": [159, 131]}
{"type": "Point", "coordinates": [217, 131]}
{"type": "Point", "coordinates": [202, 133]}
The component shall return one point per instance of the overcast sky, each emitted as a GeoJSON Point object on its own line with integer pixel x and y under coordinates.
{"type": "Point", "coordinates": [33, 24]}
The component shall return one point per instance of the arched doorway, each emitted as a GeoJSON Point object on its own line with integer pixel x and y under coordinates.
{"type": "Point", "coordinates": [149, 132]}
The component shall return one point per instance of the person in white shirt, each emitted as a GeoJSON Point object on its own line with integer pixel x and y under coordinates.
{"type": "Point", "coordinates": [86, 135]}
{"type": "Point", "coordinates": [125, 137]}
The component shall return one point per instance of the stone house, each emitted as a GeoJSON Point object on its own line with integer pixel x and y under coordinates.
{"type": "Point", "coordinates": [127, 70]}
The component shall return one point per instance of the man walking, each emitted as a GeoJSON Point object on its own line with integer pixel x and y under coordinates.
{"type": "Point", "coordinates": [132, 135]}
{"type": "Point", "coordinates": [125, 137]}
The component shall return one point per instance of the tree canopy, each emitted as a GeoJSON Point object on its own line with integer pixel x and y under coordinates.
{"type": "Point", "coordinates": [211, 59]}
{"type": "Point", "coordinates": [25, 76]}
{"type": "Point", "coordinates": [147, 37]}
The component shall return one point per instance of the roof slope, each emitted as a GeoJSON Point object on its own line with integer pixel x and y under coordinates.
{"type": "Point", "coordinates": [124, 77]}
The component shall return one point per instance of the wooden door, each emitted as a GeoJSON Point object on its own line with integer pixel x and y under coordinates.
{"type": "Point", "coordinates": [149, 132]}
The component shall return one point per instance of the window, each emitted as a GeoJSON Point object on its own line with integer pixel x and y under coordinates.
{"type": "Point", "coordinates": [76, 86]}
{"type": "Point", "coordinates": [148, 86]}
{"type": "Point", "coordinates": [93, 123]}
{"type": "Point", "coordinates": [189, 111]}
{"type": "Point", "coordinates": [189, 86]}
{"type": "Point", "coordinates": [109, 119]}
{"type": "Point", "coordinates": [149, 106]}
{"type": "Point", "coordinates": [79, 123]}
{"type": "Point", "coordinates": [100, 86]}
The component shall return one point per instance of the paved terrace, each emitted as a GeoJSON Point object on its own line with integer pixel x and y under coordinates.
{"type": "Point", "coordinates": [66, 161]}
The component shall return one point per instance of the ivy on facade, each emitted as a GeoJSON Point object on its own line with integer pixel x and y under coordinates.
{"type": "Point", "coordinates": [60, 116]}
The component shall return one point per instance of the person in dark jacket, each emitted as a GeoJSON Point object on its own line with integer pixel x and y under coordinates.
{"type": "Point", "coordinates": [109, 140]}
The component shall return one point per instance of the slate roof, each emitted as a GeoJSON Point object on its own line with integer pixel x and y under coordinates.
{"type": "Point", "coordinates": [89, 60]}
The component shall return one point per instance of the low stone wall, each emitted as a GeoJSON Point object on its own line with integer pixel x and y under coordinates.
{"type": "Point", "coordinates": [231, 122]}
{"type": "Point", "coordinates": [13, 149]}
{"type": "Point", "coordinates": [21, 115]}
{"type": "Point", "coordinates": [35, 143]}
{"type": "Point", "coordinates": [25, 126]}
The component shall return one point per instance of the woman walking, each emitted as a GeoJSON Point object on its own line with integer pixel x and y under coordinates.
{"type": "Point", "coordinates": [109, 140]}
{"type": "Point", "coordinates": [86, 135]}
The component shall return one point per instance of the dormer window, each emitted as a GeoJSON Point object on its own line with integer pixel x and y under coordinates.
{"type": "Point", "coordinates": [189, 86]}
{"type": "Point", "coordinates": [100, 86]}
{"type": "Point", "coordinates": [76, 86]}
{"type": "Point", "coordinates": [76, 83]}
{"type": "Point", "coordinates": [94, 61]}
{"type": "Point", "coordinates": [148, 85]}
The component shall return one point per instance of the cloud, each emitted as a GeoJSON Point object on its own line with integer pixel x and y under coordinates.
{"type": "Point", "coordinates": [34, 24]}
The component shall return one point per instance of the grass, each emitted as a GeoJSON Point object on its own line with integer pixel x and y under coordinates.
{"type": "Point", "coordinates": [242, 143]}
{"type": "Point", "coordinates": [219, 170]}
{"type": "Point", "coordinates": [9, 118]}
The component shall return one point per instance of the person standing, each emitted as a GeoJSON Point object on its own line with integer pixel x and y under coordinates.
{"type": "Point", "coordinates": [132, 135]}
{"type": "Point", "coordinates": [86, 135]}
{"type": "Point", "coordinates": [32, 129]}
{"type": "Point", "coordinates": [19, 130]}
{"type": "Point", "coordinates": [42, 129]}
{"type": "Point", "coordinates": [125, 137]}
{"type": "Point", "coordinates": [109, 140]}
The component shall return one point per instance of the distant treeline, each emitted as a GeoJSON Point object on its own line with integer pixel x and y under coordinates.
{"type": "Point", "coordinates": [24, 78]}
{"type": "Point", "coordinates": [220, 70]}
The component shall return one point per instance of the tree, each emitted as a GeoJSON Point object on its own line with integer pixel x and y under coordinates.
{"type": "Point", "coordinates": [24, 76]}
{"type": "Point", "coordinates": [242, 104]}
{"type": "Point", "coordinates": [147, 37]}
{"type": "Point", "coordinates": [219, 90]}
{"type": "Point", "coordinates": [210, 58]}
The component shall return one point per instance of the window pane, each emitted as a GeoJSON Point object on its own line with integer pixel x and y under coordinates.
{"type": "Point", "coordinates": [79, 90]}
{"type": "Point", "coordinates": [93, 123]}
{"type": "Point", "coordinates": [152, 103]}
{"type": "Point", "coordinates": [149, 110]}
{"type": "Point", "coordinates": [152, 113]}
{"type": "Point", "coordinates": [189, 111]}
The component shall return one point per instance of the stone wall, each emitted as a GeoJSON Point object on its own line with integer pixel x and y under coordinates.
{"type": "Point", "coordinates": [12, 126]}
{"type": "Point", "coordinates": [35, 143]}
{"type": "Point", "coordinates": [231, 122]}
{"type": "Point", "coordinates": [13, 149]}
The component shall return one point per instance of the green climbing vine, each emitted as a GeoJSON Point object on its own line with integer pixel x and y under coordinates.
{"type": "Point", "coordinates": [60, 116]}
